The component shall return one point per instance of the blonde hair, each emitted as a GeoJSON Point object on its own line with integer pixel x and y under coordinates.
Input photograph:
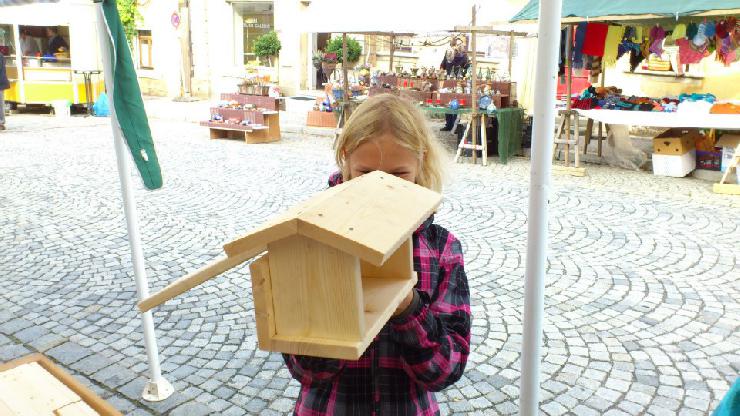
{"type": "Point", "coordinates": [390, 114]}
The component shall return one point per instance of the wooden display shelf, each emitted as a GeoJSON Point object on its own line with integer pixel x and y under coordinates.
{"type": "Point", "coordinates": [254, 116]}
{"type": "Point", "coordinates": [269, 103]}
{"type": "Point", "coordinates": [266, 133]}
{"type": "Point", "coordinates": [33, 385]}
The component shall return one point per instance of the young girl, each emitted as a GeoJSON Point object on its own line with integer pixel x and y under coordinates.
{"type": "Point", "coordinates": [425, 345]}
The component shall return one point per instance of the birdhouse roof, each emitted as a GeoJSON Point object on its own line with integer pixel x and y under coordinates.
{"type": "Point", "coordinates": [368, 217]}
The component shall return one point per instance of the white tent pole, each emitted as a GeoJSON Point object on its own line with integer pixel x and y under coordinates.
{"type": "Point", "coordinates": [158, 388]}
{"type": "Point", "coordinates": [539, 185]}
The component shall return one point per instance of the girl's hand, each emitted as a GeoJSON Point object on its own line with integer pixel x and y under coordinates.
{"type": "Point", "coordinates": [404, 303]}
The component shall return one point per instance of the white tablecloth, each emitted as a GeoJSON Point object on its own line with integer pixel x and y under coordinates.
{"type": "Point", "coordinates": [668, 120]}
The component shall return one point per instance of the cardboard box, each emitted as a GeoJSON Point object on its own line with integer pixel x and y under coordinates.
{"type": "Point", "coordinates": [674, 165]}
{"type": "Point", "coordinates": [728, 143]}
{"type": "Point", "coordinates": [675, 142]}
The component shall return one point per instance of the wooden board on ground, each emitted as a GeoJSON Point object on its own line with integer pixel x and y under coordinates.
{"type": "Point", "coordinates": [568, 170]}
{"type": "Point", "coordinates": [34, 386]}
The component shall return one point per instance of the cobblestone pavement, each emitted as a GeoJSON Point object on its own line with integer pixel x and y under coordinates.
{"type": "Point", "coordinates": [642, 300]}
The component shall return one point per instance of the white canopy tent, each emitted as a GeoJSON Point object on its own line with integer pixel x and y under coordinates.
{"type": "Point", "coordinates": [334, 16]}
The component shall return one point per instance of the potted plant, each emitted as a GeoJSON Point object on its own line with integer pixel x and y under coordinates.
{"type": "Point", "coordinates": [354, 50]}
{"type": "Point", "coordinates": [328, 63]}
{"type": "Point", "coordinates": [267, 46]}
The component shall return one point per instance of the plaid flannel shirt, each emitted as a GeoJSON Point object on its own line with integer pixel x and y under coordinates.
{"type": "Point", "coordinates": [421, 351]}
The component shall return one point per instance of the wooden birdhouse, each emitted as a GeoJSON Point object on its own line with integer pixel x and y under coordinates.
{"type": "Point", "coordinates": [336, 266]}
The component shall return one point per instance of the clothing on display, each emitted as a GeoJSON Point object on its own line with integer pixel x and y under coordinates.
{"type": "Point", "coordinates": [595, 39]}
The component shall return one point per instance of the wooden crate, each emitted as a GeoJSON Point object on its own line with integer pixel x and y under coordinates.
{"type": "Point", "coordinates": [321, 119]}
{"type": "Point", "coordinates": [35, 386]}
{"type": "Point", "coordinates": [337, 266]}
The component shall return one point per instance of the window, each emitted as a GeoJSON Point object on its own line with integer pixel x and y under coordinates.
{"type": "Point", "coordinates": [258, 19]}
{"type": "Point", "coordinates": [144, 38]}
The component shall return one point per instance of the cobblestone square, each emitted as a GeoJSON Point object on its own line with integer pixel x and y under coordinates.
{"type": "Point", "coordinates": [642, 301]}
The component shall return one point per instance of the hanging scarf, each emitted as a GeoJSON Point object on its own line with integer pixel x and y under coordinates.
{"type": "Point", "coordinates": [691, 30]}
{"type": "Point", "coordinates": [613, 36]}
{"type": "Point", "coordinates": [678, 32]}
{"type": "Point", "coordinates": [657, 34]}
{"type": "Point", "coordinates": [595, 39]}
{"type": "Point", "coordinates": [578, 48]}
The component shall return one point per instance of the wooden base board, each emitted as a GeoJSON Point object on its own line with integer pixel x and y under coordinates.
{"type": "Point", "coordinates": [726, 188]}
{"type": "Point", "coordinates": [49, 385]}
{"type": "Point", "coordinates": [381, 298]}
{"type": "Point", "coordinates": [568, 170]}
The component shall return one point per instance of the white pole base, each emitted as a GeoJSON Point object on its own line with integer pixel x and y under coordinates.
{"type": "Point", "coordinates": [156, 391]}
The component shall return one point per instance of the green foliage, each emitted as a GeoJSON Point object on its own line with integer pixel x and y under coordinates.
{"type": "Point", "coordinates": [267, 45]}
{"type": "Point", "coordinates": [354, 50]}
{"type": "Point", "coordinates": [130, 18]}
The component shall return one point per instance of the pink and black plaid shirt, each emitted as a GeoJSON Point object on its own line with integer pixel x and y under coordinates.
{"type": "Point", "coordinates": [421, 351]}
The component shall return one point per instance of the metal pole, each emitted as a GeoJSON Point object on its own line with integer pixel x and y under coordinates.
{"type": "Point", "coordinates": [158, 388]}
{"type": "Point", "coordinates": [473, 95]}
{"type": "Point", "coordinates": [568, 90]}
{"type": "Point", "coordinates": [539, 186]}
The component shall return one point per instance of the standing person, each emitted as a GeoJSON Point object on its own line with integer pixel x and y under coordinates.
{"type": "Point", "coordinates": [29, 46]}
{"type": "Point", "coordinates": [4, 85]}
{"type": "Point", "coordinates": [56, 41]}
{"type": "Point", "coordinates": [425, 345]}
{"type": "Point", "coordinates": [455, 57]}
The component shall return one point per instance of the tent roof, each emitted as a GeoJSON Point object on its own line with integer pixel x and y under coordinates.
{"type": "Point", "coordinates": [610, 10]}
{"type": "Point", "coordinates": [352, 217]}
{"type": "Point", "coordinates": [397, 17]}
{"type": "Point", "coordinates": [21, 2]}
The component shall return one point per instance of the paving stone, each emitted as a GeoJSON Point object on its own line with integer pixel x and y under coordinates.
{"type": "Point", "coordinates": [68, 353]}
{"type": "Point", "coordinates": [191, 409]}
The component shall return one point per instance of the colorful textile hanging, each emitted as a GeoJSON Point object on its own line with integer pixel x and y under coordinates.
{"type": "Point", "coordinates": [613, 37]}
{"type": "Point", "coordinates": [595, 39]}
{"type": "Point", "coordinates": [678, 32]}
{"type": "Point", "coordinates": [578, 47]}
{"type": "Point", "coordinates": [657, 34]}
{"type": "Point", "coordinates": [687, 54]}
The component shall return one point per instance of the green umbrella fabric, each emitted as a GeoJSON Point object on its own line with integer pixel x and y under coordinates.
{"type": "Point", "coordinates": [592, 9]}
{"type": "Point", "coordinates": [128, 104]}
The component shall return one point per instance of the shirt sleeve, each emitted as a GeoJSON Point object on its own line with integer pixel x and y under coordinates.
{"type": "Point", "coordinates": [435, 335]}
{"type": "Point", "coordinates": [313, 370]}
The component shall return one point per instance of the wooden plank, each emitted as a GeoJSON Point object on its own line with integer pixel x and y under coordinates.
{"type": "Point", "coordinates": [400, 265]}
{"type": "Point", "coordinates": [568, 170]}
{"type": "Point", "coordinates": [262, 295]}
{"type": "Point", "coordinates": [277, 228]}
{"type": "Point", "coordinates": [356, 219]}
{"type": "Point", "coordinates": [5, 409]}
{"type": "Point", "coordinates": [98, 404]}
{"type": "Point", "coordinates": [726, 188]}
{"type": "Point", "coordinates": [316, 290]}
{"type": "Point", "coordinates": [76, 409]}
{"type": "Point", "coordinates": [31, 390]}
{"type": "Point", "coordinates": [197, 277]}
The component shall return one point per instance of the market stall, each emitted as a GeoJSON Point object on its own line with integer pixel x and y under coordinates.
{"type": "Point", "coordinates": [71, 72]}
{"type": "Point", "coordinates": [663, 39]}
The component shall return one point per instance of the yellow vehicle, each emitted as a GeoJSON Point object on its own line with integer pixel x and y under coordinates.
{"type": "Point", "coordinates": [38, 75]}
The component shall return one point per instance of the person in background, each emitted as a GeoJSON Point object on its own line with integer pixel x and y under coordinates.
{"type": "Point", "coordinates": [455, 57]}
{"type": "Point", "coordinates": [29, 46]}
{"type": "Point", "coordinates": [56, 41]}
{"type": "Point", "coordinates": [4, 85]}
